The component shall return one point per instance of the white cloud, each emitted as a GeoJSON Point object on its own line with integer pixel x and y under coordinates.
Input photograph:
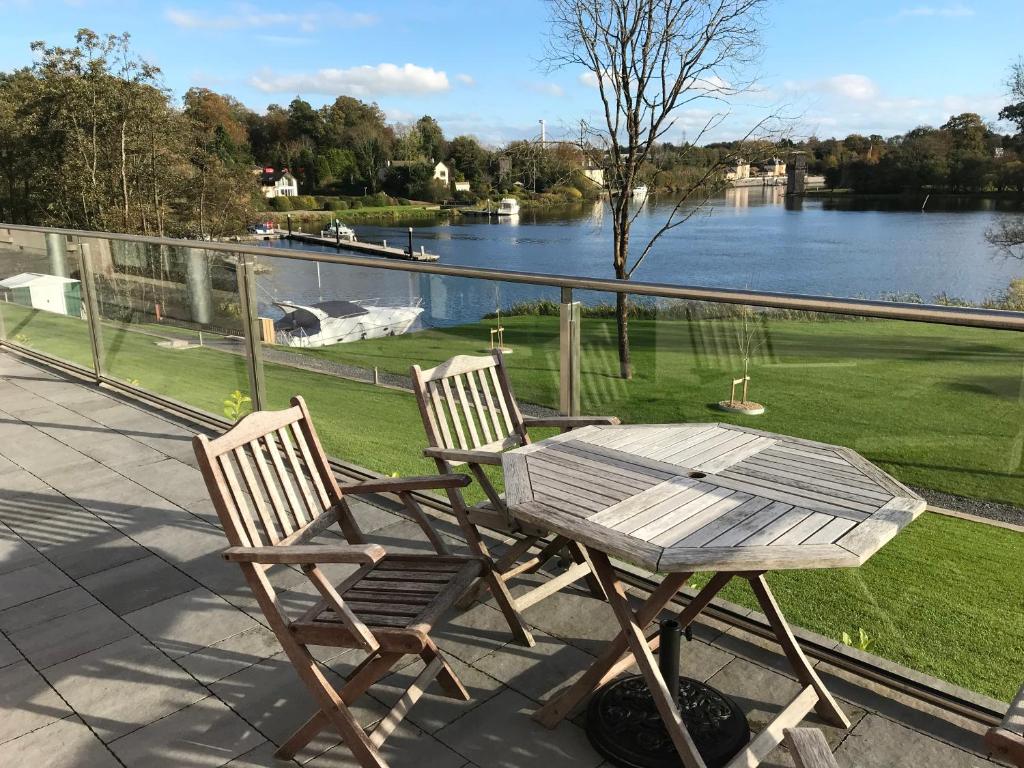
{"type": "Point", "coordinates": [465, 79]}
{"type": "Point", "coordinates": [246, 16]}
{"type": "Point", "coordinates": [955, 11]}
{"type": "Point", "coordinates": [588, 79]}
{"type": "Point", "coordinates": [848, 86]}
{"type": "Point", "coordinates": [383, 79]}
{"type": "Point", "coordinates": [547, 89]}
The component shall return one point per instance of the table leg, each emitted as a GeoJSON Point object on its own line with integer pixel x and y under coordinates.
{"type": "Point", "coordinates": [827, 707]}
{"type": "Point", "coordinates": [638, 644]}
{"type": "Point", "coordinates": [617, 657]}
{"type": "Point", "coordinates": [559, 706]}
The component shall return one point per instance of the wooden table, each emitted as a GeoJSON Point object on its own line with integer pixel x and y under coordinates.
{"type": "Point", "coordinates": [677, 499]}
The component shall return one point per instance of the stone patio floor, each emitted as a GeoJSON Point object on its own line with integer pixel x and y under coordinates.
{"type": "Point", "coordinates": [126, 640]}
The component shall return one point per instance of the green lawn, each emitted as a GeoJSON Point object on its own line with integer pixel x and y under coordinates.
{"type": "Point", "coordinates": [936, 406]}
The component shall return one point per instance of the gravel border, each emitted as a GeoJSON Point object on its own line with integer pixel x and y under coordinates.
{"type": "Point", "coordinates": [993, 510]}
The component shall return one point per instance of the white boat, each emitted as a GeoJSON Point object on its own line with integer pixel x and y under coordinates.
{"type": "Point", "coordinates": [640, 191]}
{"type": "Point", "coordinates": [339, 322]}
{"type": "Point", "coordinates": [337, 230]}
{"type": "Point", "coordinates": [508, 206]}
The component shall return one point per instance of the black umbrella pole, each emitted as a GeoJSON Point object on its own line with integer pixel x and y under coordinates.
{"type": "Point", "coordinates": [668, 657]}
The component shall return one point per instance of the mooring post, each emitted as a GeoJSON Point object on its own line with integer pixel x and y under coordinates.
{"type": "Point", "coordinates": [410, 242]}
{"type": "Point", "coordinates": [289, 225]}
{"type": "Point", "coordinates": [668, 657]}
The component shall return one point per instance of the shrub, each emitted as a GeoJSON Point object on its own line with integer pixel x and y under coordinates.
{"type": "Point", "coordinates": [404, 201]}
{"type": "Point", "coordinates": [304, 203]}
{"type": "Point", "coordinates": [340, 205]}
{"type": "Point", "coordinates": [281, 203]}
{"type": "Point", "coordinates": [328, 203]}
{"type": "Point", "coordinates": [355, 204]}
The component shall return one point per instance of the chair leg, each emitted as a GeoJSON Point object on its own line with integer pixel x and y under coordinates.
{"type": "Point", "coordinates": [506, 603]}
{"type": "Point", "coordinates": [369, 671]}
{"type": "Point", "coordinates": [335, 711]}
{"type": "Point", "coordinates": [446, 677]}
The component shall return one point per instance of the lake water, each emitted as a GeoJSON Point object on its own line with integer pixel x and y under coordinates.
{"type": "Point", "coordinates": [750, 238]}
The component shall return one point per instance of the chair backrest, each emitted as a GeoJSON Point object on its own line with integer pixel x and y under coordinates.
{"type": "Point", "coordinates": [467, 403]}
{"type": "Point", "coordinates": [270, 479]}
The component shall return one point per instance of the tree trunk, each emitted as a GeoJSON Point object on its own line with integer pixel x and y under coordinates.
{"type": "Point", "coordinates": [124, 173]}
{"type": "Point", "coordinates": [621, 263]}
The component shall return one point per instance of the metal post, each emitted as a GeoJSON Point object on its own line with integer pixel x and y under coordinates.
{"type": "Point", "coordinates": [410, 242]}
{"type": "Point", "coordinates": [200, 288]}
{"type": "Point", "coordinates": [92, 310]}
{"type": "Point", "coordinates": [250, 327]}
{"type": "Point", "coordinates": [569, 357]}
{"type": "Point", "coordinates": [289, 225]}
{"type": "Point", "coordinates": [668, 656]}
{"type": "Point", "coordinates": [57, 250]}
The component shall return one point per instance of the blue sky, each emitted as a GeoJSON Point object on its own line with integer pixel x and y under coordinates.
{"type": "Point", "coordinates": [874, 66]}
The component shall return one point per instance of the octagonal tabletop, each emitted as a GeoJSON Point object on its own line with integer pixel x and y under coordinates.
{"type": "Point", "coordinates": [688, 497]}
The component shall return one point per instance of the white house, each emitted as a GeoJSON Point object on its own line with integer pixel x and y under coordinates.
{"type": "Point", "coordinates": [441, 173]}
{"type": "Point", "coordinates": [741, 170]}
{"type": "Point", "coordinates": [278, 183]}
{"type": "Point", "coordinates": [775, 167]}
{"type": "Point", "coordinates": [47, 292]}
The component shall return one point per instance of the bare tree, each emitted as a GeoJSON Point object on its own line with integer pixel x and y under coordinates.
{"type": "Point", "coordinates": [648, 60]}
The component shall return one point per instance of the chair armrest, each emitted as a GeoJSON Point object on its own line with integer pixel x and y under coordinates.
{"type": "Point", "coordinates": [306, 554]}
{"type": "Point", "coordinates": [570, 422]}
{"type": "Point", "coordinates": [470, 457]}
{"type": "Point", "coordinates": [397, 484]}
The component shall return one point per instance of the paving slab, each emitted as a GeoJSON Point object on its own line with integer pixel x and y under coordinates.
{"type": "Point", "coordinates": [15, 552]}
{"type": "Point", "coordinates": [762, 693]}
{"type": "Point", "coordinates": [94, 552]}
{"type": "Point", "coordinates": [8, 653]}
{"type": "Point", "coordinates": [170, 478]}
{"type": "Point", "coordinates": [231, 654]}
{"type": "Point", "coordinates": [206, 734]}
{"type": "Point", "coordinates": [45, 609]}
{"type": "Point", "coordinates": [27, 701]}
{"type": "Point", "coordinates": [879, 741]}
{"type": "Point", "coordinates": [539, 671]}
{"type": "Point", "coordinates": [66, 743]}
{"type": "Point", "coordinates": [271, 697]}
{"type": "Point", "coordinates": [434, 711]}
{"type": "Point", "coordinates": [60, 639]}
{"type": "Point", "coordinates": [123, 686]}
{"type": "Point", "coordinates": [189, 622]}
{"type": "Point", "coordinates": [407, 747]}
{"type": "Point", "coordinates": [137, 584]}
{"type": "Point", "coordinates": [501, 733]}
{"type": "Point", "coordinates": [30, 582]}
{"type": "Point", "coordinates": [261, 757]}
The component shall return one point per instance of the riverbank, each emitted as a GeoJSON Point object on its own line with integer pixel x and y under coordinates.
{"type": "Point", "coordinates": [376, 214]}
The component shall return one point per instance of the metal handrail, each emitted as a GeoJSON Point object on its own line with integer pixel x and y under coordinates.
{"type": "Point", "coordinates": [919, 313]}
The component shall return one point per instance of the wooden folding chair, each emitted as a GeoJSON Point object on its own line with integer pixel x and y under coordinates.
{"type": "Point", "coordinates": [471, 416]}
{"type": "Point", "coordinates": [274, 492]}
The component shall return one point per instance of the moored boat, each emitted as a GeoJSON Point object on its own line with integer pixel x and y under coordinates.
{"type": "Point", "coordinates": [339, 322]}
